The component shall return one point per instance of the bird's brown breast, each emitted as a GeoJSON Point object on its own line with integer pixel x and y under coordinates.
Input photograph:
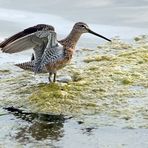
{"type": "Point", "coordinates": [59, 64]}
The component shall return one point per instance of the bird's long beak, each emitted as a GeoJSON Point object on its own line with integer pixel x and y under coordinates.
{"type": "Point", "coordinates": [94, 33]}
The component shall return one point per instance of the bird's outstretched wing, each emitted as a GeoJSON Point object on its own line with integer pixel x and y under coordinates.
{"type": "Point", "coordinates": [28, 38]}
{"type": "Point", "coordinates": [24, 33]}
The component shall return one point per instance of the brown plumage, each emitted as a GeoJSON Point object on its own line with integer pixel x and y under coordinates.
{"type": "Point", "coordinates": [50, 54]}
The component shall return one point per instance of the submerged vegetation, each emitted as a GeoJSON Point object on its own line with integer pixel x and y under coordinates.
{"type": "Point", "coordinates": [111, 81]}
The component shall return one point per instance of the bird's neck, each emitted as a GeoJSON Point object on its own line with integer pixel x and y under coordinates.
{"type": "Point", "coordinates": [71, 40]}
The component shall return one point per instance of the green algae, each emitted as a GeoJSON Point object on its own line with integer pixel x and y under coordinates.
{"type": "Point", "coordinates": [141, 38]}
{"type": "Point", "coordinates": [57, 98]}
{"type": "Point", "coordinates": [115, 44]}
{"type": "Point", "coordinates": [103, 85]}
{"type": "Point", "coordinates": [4, 71]}
{"type": "Point", "coordinates": [97, 58]}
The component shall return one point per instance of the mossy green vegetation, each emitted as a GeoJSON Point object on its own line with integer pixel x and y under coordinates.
{"type": "Point", "coordinates": [4, 71]}
{"type": "Point", "coordinates": [110, 80]}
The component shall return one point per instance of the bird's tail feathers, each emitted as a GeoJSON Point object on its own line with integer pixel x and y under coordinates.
{"type": "Point", "coordinates": [30, 66]}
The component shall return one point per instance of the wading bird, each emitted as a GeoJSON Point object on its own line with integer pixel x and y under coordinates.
{"type": "Point", "coordinates": [50, 54]}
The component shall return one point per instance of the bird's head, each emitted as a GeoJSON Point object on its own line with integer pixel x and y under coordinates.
{"type": "Point", "coordinates": [84, 28]}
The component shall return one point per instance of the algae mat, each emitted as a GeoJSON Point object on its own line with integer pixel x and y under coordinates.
{"type": "Point", "coordinates": [107, 86]}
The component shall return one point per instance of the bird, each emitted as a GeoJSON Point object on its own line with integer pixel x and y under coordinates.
{"type": "Point", "coordinates": [50, 54]}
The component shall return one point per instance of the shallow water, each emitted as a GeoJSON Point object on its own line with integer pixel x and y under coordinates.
{"type": "Point", "coordinates": [114, 115]}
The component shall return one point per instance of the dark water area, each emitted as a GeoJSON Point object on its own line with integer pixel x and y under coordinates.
{"type": "Point", "coordinates": [27, 131]}
{"type": "Point", "coordinates": [103, 117]}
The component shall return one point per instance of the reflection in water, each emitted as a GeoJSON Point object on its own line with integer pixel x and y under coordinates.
{"type": "Point", "coordinates": [40, 131]}
{"type": "Point", "coordinates": [42, 125]}
{"type": "Point", "coordinates": [30, 116]}
{"type": "Point", "coordinates": [88, 130]}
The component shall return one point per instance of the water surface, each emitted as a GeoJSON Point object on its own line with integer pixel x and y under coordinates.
{"type": "Point", "coordinates": [125, 19]}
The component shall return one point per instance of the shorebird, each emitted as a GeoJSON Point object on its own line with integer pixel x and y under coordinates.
{"type": "Point", "coordinates": [50, 54]}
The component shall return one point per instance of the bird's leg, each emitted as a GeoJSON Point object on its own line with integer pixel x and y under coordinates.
{"type": "Point", "coordinates": [54, 77]}
{"type": "Point", "coordinates": [49, 78]}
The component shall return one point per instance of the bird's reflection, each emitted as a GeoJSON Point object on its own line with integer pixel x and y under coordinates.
{"type": "Point", "coordinates": [40, 131]}
{"type": "Point", "coordinates": [40, 126]}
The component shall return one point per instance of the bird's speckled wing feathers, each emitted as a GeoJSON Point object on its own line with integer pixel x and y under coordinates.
{"type": "Point", "coordinates": [53, 53]}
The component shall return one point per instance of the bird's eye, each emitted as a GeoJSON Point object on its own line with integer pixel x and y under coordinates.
{"type": "Point", "coordinates": [83, 26]}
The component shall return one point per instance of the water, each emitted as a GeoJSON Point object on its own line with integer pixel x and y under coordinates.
{"type": "Point", "coordinates": [110, 18]}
